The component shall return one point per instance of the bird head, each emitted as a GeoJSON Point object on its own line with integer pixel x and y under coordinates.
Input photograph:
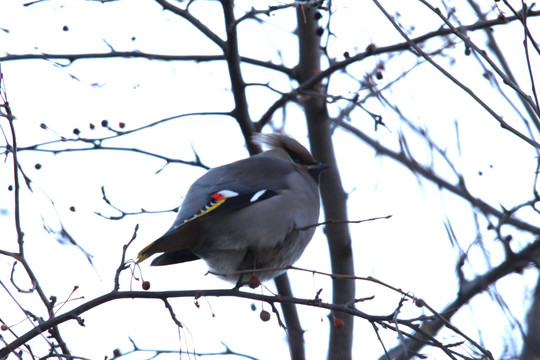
{"type": "Point", "coordinates": [292, 149]}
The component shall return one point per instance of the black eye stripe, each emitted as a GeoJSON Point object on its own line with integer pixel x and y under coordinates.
{"type": "Point", "coordinates": [297, 158]}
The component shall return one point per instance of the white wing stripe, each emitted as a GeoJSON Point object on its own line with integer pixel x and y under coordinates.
{"type": "Point", "coordinates": [228, 193]}
{"type": "Point", "coordinates": [257, 195]}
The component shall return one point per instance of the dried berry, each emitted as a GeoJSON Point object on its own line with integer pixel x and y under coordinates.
{"type": "Point", "coordinates": [104, 123]}
{"type": "Point", "coordinates": [76, 131]}
{"type": "Point", "coordinates": [264, 315]}
{"type": "Point", "coordinates": [122, 125]}
{"type": "Point", "coordinates": [37, 166]}
{"type": "Point", "coordinates": [338, 323]}
{"type": "Point", "coordinates": [254, 282]}
{"type": "Point", "coordinates": [146, 285]}
{"type": "Point", "coordinates": [72, 208]}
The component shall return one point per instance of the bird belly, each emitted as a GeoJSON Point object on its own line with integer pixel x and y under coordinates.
{"type": "Point", "coordinates": [264, 242]}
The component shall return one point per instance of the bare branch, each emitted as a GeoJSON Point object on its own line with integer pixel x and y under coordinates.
{"type": "Point", "coordinates": [123, 213]}
{"type": "Point", "coordinates": [458, 189]}
{"type": "Point", "coordinates": [467, 291]}
{"type": "Point", "coordinates": [240, 112]}
{"type": "Point", "coordinates": [135, 54]}
{"type": "Point", "coordinates": [195, 22]}
{"type": "Point", "coordinates": [123, 265]}
{"type": "Point", "coordinates": [468, 90]}
{"type": "Point", "coordinates": [20, 234]}
{"type": "Point", "coordinates": [306, 84]}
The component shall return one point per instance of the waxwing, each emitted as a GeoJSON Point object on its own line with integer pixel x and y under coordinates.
{"type": "Point", "coordinates": [256, 213]}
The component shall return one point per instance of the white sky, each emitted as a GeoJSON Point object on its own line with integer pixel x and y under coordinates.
{"type": "Point", "coordinates": [410, 251]}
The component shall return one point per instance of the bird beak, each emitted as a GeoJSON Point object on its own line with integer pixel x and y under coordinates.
{"type": "Point", "coordinates": [318, 168]}
{"type": "Point", "coordinates": [315, 170]}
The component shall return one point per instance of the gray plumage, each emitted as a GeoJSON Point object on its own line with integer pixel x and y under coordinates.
{"type": "Point", "coordinates": [268, 203]}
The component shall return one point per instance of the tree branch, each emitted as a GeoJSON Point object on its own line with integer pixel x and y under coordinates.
{"type": "Point", "coordinates": [232, 55]}
{"type": "Point", "coordinates": [332, 193]}
{"type": "Point", "coordinates": [20, 256]}
{"type": "Point", "coordinates": [308, 83]}
{"type": "Point", "coordinates": [469, 91]}
{"type": "Point", "coordinates": [467, 291]}
{"type": "Point", "coordinates": [458, 189]}
{"type": "Point", "coordinates": [136, 54]}
{"type": "Point", "coordinates": [184, 13]}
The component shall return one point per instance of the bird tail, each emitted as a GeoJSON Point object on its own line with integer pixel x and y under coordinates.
{"type": "Point", "coordinates": [145, 253]}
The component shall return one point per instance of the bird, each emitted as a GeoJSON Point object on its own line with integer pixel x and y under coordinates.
{"type": "Point", "coordinates": [252, 217]}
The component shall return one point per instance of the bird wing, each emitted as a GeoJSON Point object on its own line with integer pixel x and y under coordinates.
{"type": "Point", "coordinates": [219, 202]}
{"type": "Point", "coordinates": [227, 200]}
{"type": "Point", "coordinates": [217, 192]}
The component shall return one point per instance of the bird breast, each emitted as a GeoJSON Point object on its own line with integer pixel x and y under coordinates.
{"type": "Point", "coordinates": [272, 234]}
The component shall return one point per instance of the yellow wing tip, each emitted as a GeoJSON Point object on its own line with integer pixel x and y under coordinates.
{"type": "Point", "coordinates": [144, 254]}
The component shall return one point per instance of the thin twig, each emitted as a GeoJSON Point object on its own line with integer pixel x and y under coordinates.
{"type": "Point", "coordinates": [465, 88]}
{"type": "Point", "coordinates": [459, 188]}
{"type": "Point", "coordinates": [343, 222]}
{"type": "Point", "coordinates": [20, 234]}
{"type": "Point", "coordinates": [123, 265]}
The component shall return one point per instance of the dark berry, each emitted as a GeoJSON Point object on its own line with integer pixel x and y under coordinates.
{"type": "Point", "coordinates": [146, 285]}
{"type": "Point", "coordinates": [254, 282]}
{"type": "Point", "coordinates": [264, 315]}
